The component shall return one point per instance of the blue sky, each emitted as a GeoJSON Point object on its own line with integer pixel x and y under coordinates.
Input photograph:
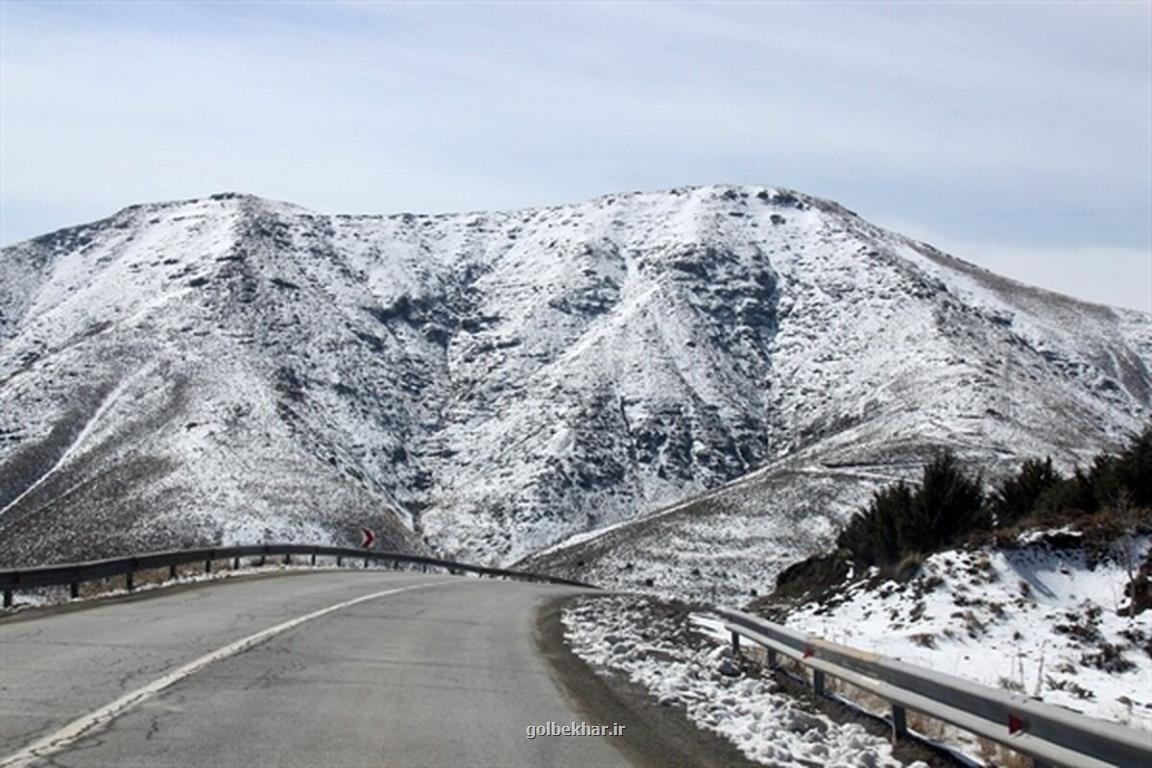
{"type": "Point", "coordinates": [1015, 135]}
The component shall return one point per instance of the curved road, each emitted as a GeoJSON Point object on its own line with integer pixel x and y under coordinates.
{"type": "Point", "coordinates": [398, 669]}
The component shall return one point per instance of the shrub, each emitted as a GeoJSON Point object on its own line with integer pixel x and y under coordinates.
{"type": "Point", "coordinates": [873, 535]}
{"type": "Point", "coordinates": [1126, 475]}
{"type": "Point", "coordinates": [948, 505]}
{"type": "Point", "coordinates": [902, 521]}
{"type": "Point", "coordinates": [1109, 658]}
{"type": "Point", "coordinates": [1074, 494]}
{"type": "Point", "coordinates": [1111, 480]}
{"type": "Point", "coordinates": [1018, 495]}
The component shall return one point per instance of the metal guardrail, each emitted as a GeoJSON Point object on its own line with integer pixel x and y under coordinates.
{"type": "Point", "coordinates": [72, 575]}
{"type": "Point", "coordinates": [1050, 735]}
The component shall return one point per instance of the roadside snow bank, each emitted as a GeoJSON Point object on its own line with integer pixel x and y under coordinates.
{"type": "Point", "coordinates": [1040, 618]}
{"type": "Point", "coordinates": [686, 668]}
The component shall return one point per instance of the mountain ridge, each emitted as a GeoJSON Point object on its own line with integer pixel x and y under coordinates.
{"type": "Point", "coordinates": [486, 384]}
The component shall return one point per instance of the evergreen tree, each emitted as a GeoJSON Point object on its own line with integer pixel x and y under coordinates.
{"type": "Point", "coordinates": [1017, 496]}
{"type": "Point", "coordinates": [948, 504]}
{"type": "Point", "coordinates": [1132, 472]}
{"type": "Point", "coordinates": [1076, 494]}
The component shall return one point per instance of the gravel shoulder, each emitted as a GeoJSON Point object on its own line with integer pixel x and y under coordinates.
{"type": "Point", "coordinates": [656, 736]}
{"type": "Point", "coordinates": [695, 703]}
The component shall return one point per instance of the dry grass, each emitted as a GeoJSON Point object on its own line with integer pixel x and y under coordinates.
{"type": "Point", "coordinates": [930, 728]}
{"type": "Point", "coordinates": [863, 699]}
{"type": "Point", "coordinates": [998, 756]}
{"type": "Point", "coordinates": [995, 755]}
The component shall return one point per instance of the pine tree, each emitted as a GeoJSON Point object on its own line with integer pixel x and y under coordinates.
{"type": "Point", "coordinates": [948, 504]}
{"type": "Point", "coordinates": [1017, 496]}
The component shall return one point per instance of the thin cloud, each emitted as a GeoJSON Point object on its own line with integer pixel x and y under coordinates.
{"type": "Point", "coordinates": [1019, 126]}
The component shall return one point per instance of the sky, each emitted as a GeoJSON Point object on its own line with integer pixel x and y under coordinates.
{"type": "Point", "coordinates": [1017, 135]}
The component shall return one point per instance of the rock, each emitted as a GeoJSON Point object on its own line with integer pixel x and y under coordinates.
{"type": "Point", "coordinates": [729, 668]}
{"type": "Point", "coordinates": [722, 652]}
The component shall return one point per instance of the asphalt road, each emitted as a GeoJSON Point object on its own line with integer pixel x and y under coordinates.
{"type": "Point", "coordinates": [448, 672]}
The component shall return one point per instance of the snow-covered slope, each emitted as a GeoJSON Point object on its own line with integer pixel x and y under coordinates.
{"type": "Point", "coordinates": [233, 369]}
{"type": "Point", "coordinates": [1041, 617]}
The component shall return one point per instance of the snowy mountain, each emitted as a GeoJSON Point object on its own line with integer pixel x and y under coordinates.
{"type": "Point", "coordinates": [488, 384]}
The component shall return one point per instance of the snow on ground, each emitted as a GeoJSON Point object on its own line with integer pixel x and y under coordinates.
{"type": "Point", "coordinates": [694, 670]}
{"type": "Point", "coordinates": [1040, 618]}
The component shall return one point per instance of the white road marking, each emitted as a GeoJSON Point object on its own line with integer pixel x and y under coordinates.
{"type": "Point", "coordinates": [82, 726]}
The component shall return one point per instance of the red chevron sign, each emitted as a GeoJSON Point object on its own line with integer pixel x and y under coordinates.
{"type": "Point", "coordinates": [369, 538]}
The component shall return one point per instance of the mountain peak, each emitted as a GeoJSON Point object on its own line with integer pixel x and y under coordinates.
{"type": "Point", "coordinates": [230, 368]}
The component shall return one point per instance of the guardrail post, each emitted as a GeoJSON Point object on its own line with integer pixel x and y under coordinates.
{"type": "Point", "coordinates": [262, 561]}
{"type": "Point", "coordinates": [818, 682]}
{"type": "Point", "coordinates": [899, 723]}
{"type": "Point", "coordinates": [339, 561]}
{"type": "Point", "coordinates": [172, 572]}
{"type": "Point", "coordinates": [735, 644]}
{"type": "Point", "coordinates": [128, 584]}
{"type": "Point", "coordinates": [313, 561]}
{"type": "Point", "coordinates": [365, 561]}
{"type": "Point", "coordinates": [235, 563]}
{"type": "Point", "coordinates": [287, 559]}
{"type": "Point", "coordinates": [207, 566]}
{"type": "Point", "coordinates": [7, 598]}
{"type": "Point", "coordinates": [74, 589]}
{"type": "Point", "coordinates": [771, 658]}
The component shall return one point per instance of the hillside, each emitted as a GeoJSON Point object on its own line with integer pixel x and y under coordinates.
{"type": "Point", "coordinates": [488, 384]}
{"type": "Point", "coordinates": [1047, 615]}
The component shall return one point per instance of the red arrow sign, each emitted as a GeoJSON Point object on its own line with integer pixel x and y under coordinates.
{"type": "Point", "coordinates": [369, 538]}
{"type": "Point", "coordinates": [1016, 724]}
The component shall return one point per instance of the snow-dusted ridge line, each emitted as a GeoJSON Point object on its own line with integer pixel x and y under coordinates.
{"type": "Point", "coordinates": [503, 212]}
{"type": "Point", "coordinates": [489, 385]}
{"type": "Point", "coordinates": [740, 482]}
